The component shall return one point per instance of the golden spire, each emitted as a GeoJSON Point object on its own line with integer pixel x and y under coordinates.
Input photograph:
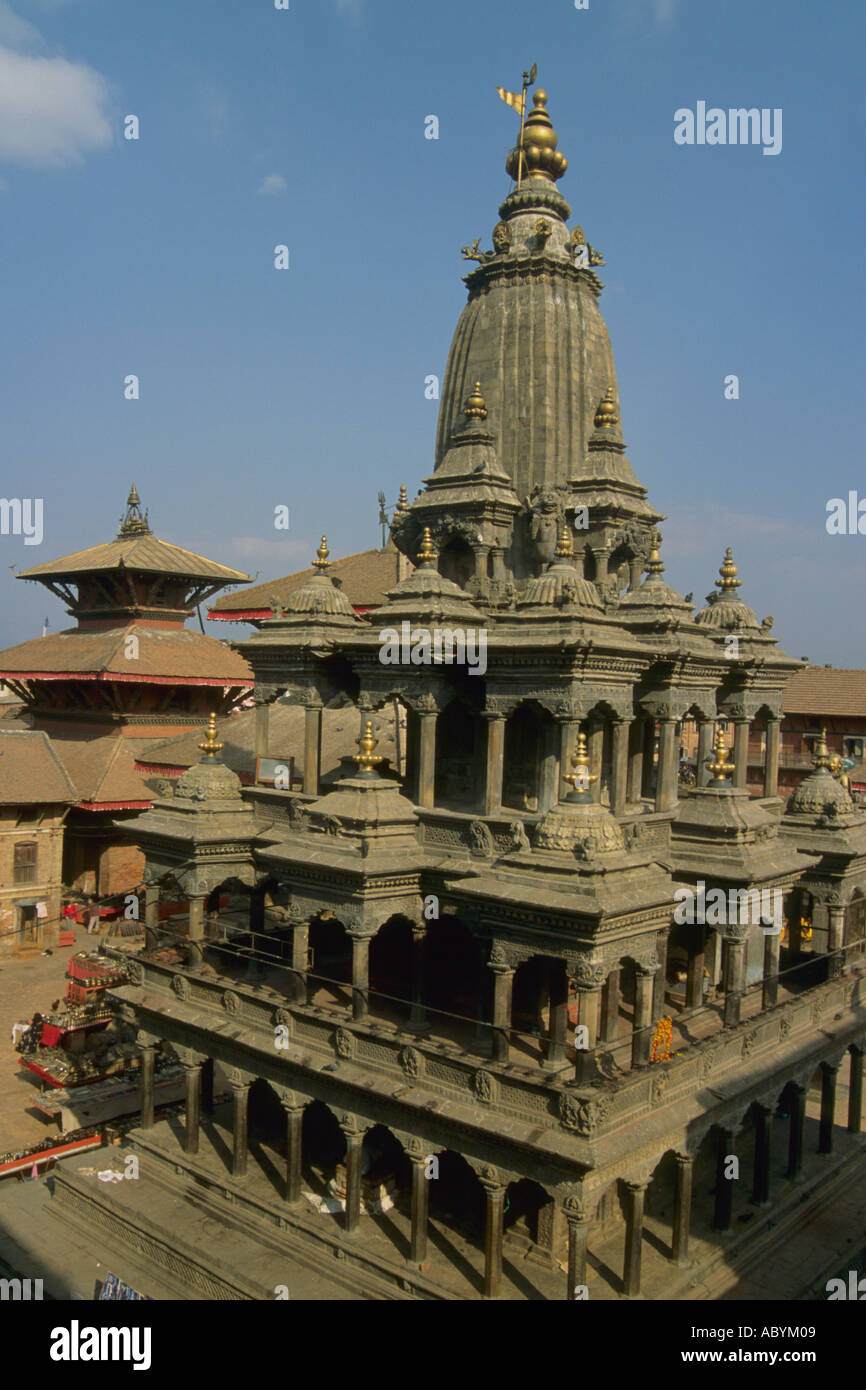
{"type": "Point", "coordinates": [605, 416]}
{"type": "Point", "coordinates": [654, 563]}
{"type": "Point", "coordinates": [820, 752]}
{"type": "Point", "coordinates": [402, 502]}
{"type": "Point", "coordinates": [428, 552]}
{"type": "Point", "coordinates": [321, 562]}
{"type": "Point", "coordinates": [535, 155]}
{"type": "Point", "coordinates": [565, 547]}
{"type": "Point", "coordinates": [728, 571]}
{"type": "Point", "coordinates": [719, 765]}
{"type": "Point", "coordinates": [580, 776]}
{"type": "Point", "coordinates": [210, 747]}
{"type": "Point", "coordinates": [134, 521]}
{"type": "Point", "coordinates": [367, 743]}
{"type": "Point", "coordinates": [475, 407]}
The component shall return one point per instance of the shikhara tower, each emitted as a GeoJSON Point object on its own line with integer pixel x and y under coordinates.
{"type": "Point", "coordinates": [425, 939]}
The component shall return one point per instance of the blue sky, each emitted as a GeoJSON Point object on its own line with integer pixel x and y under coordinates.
{"type": "Point", "coordinates": [306, 387]}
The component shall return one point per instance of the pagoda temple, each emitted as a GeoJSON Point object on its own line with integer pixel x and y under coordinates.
{"type": "Point", "coordinates": [127, 675]}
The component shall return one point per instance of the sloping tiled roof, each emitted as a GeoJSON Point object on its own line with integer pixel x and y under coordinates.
{"type": "Point", "coordinates": [30, 771]}
{"type": "Point", "coordinates": [826, 690]}
{"type": "Point", "coordinates": [101, 769]}
{"type": "Point", "coordinates": [146, 554]}
{"type": "Point", "coordinates": [363, 577]}
{"type": "Point", "coordinates": [167, 653]}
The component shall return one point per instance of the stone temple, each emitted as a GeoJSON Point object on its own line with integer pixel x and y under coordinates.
{"type": "Point", "coordinates": [488, 1030]}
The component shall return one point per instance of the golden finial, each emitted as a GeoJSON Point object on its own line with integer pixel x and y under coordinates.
{"type": "Point", "coordinates": [565, 547]}
{"type": "Point", "coordinates": [719, 765]}
{"type": "Point", "coordinates": [475, 407]}
{"type": "Point", "coordinates": [821, 753]}
{"type": "Point", "coordinates": [654, 563]}
{"type": "Point", "coordinates": [728, 571]}
{"type": "Point", "coordinates": [321, 561]}
{"type": "Point", "coordinates": [428, 552]}
{"type": "Point", "coordinates": [580, 776]}
{"type": "Point", "coordinates": [535, 155]}
{"type": "Point", "coordinates": [133, 522]}
{"type": "Point", "coordinates": [605, 416]}
{"type": "Point", "coordinates": [402, 502]}
{"type": "Point", "coordinates": [366, 760]}
{"type": "Point", "coordinates": [210, 747]}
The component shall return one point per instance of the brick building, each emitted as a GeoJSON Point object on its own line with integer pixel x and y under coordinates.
{"type": "Point", "coordinates": [36, 795]}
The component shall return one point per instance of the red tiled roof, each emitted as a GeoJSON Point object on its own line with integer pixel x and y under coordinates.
{"type": "Point", "coordinates": [828, 690]}
{"type": "Point", "coordinates": [30, 771]}
{"type": "Point", "coordinates": [363, 577]}
{"type": "Point", "coordinates": [168, 654]}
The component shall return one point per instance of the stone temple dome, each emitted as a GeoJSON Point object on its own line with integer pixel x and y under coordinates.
{"type": "Point", "coordinates": [821, 794]}
{"type": "Point", "coordinates": [726, 610]}
{"type": "Point", "coordinates": [578, 824]}
{"type": "Point", "coordinates": [209, 779]}
{"type": "Point", "coordinates": [319, 596]}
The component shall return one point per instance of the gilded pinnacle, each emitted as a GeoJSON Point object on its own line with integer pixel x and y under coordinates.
{"type": "Point", "coordinates": [210, 747]}
{"type": "Point", "coordinates": [728, 571]}
{"type": "Point", "coordinates": [402, 501]}
{"type": "Point", "coordinates": [367, 743]}
{"type": "Point", "coordinates": [134, 521]}
{"type": "Point", "coordinates": [536, 154]}
{"type": "Point", "coordinates": [654, 563]}
{"type": "Point", "coordinates": [475, 407]}
{"type": "Point", "coordinates": [580, 776]}
{"type": "Point", "coordinates": [821, 753]}
{"type": "Point", "coordinates": [719, 765]}
{"type": "Point", "coordinates": [565, 546]}
{"type": "Point", "coordinates": [321, 561]}
{"type": "Point", "coordinates": [428, 552]}
{"type": "Point", "coordinates": [606, 417]}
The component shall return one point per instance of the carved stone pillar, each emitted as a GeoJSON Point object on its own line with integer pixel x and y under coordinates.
{"type": "Point", "coordinates": [609, 1026]}
{"type": "Point", "coordinates": [148, 1050]}
{"type": "Point", "coordinates": [196, 918]}
{"type": "Point", "coordinates": [420, 1208]}
{"type": "Point", "coordinates": [771, 758]}
{"type": "Point", "coordinates": [619, 786]}
{"type": "Point", "coordinates": [588, 1017]}
{"type": "Point", "coordinates": [493, 778]}
{"type": "Point", "coordinates": [481, 553]}
{"type": "Point", "coordinates": [193, 1106]}
{"type": "Point", "coordinates": [503, 983]}
{"type": "Point", "coordinates": [635, 759]}
{"type": "Point", "coordinates": [741, 754]}
{"type": "Point", "coordinates": [595, 749]}
{"type": "Point", "coordinates": [240, 1110]}
{"type": "Point", "coordinates": [705, 748]}
{"type": "Point", "coordinates": [770, 983]}
{"type": "Point", "coordinates": [635, 1195]}
{"type": "Point", "coordinates": [695, 971]}
{"type": "Point", "coordinates": [294, 1150]}
{"type": "Point", "coordinates": [495, 1207]}
{"type": "Point", "coordinates": [649, 772]}
{"type": "Point", "coordinates": [498, 564]}
{"type": "Point", "coordinates": [661, 975]}
{"type": "Point", "coordinates": [735, 978]}
{"type": "Point", "coordinates": [558, 984]}
{"type": "Point", "coordinates": [151, 916]}
{"type": "Point", "coordinates": [354, 1145]}
{"type": "Point", "coordinates": [829, 1073]}
{"type": "Point", "coordinates": [263, 714]}
{"type": "Point", "coordinates": [795, 1134]}
{"type": "Point", "coordinates": [855, 1090]}
{"type": "Point", "coordinates": [724, 1185]}
{"type": "Point", "coordinates": [666, 789]}
{"type": "Point", "coordinates": [300, 959]}
{"type": "Point", "coordinates": [643, 1005]}
{"type": "Point", "coordinates": [312, 748]}
{"type": "Point", "coordinates": [763, 1137]}
{"type": "Point", "coordinates": [549, 772]}
{"type": "Point", "coordinates": [427, 759]}
{"type": "Point", "coordinates": [578, 1231]}
{"type": "Point", "coordinates": [682, 1209]}
{"type": "Point", "coordinates": [418, 1022]}
{"type": "Point", "coordinates": [360, 976]}
{"type": "Point", "coordinates": [836, 941]}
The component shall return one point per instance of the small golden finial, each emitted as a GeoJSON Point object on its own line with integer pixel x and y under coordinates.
{"type": "Point", "coordinates": [565, 547]}
{"type": "Point", "coordinates": [402, 501]}
{"type": "Point", "coordinates": [580, 776]}
{"type": "Point", "coordinates": [606, 417]}
{"type": "Point", "coordinates": [475, 407]}
{"type": "Point", "coordinates": [366, 760]}
{"type": "Point", "coordinates": [428, 552]}
{"type": "Point", "coordinates": [821, 753]}
{"type": "Point", "coordinates": [321, 561]}
{"type": "Point", "coordinates": [210, 747]}
{"type": "Point", "coordinates": [654, 563]}
{"type": "Point", "coordinates": [719, 765]}
{"type": "Point", "coordinates": [728, 571]}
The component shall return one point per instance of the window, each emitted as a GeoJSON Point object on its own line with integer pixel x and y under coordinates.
{"type": "Point", "coordinates": [24, 863]}
{"type": "Point", "coordinates": [852, 747]}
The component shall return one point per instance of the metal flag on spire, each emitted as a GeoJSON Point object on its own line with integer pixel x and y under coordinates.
{"type": "Point", "coordinates": [518, 101]}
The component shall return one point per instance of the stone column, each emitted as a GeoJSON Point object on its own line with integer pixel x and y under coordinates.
{"type": "Point", "coordinates": [661, 974]}
{"type": "Point", "coordinates": [795, 1135]}
{"type": "Point", "coordinates": [829, 1072]}
{"type": "Point", "coordinates": [549, 772]}
{"type": "Point", "coordinates": [771, 758]}
{"type": "Point", "coordinates": [741, 754]}
{"type": "Point", "coordinates": [763, 1136]}
{"type": "Point", "coordinates": [568, 731]}
{"type": "Point", "coordinates": [641, 1044]}
{"type": "Point", "coordinates": [682, 1209]}
{"type": "Point", "coordinates": [193, 1106]}
{"type": "Point", "coordinates": [207, 1101]}
{"type": "Point", "coordinates": [578, 1231]}
{"type": "Point", "coordinates": [312, 748]}
{"type": "Point", "coordinates": [240, 1108]}
{"type": "Point", "coordinates": [482, 579]}
{"type": "Point", "coordinates": [770, 984]}
{"type": "Point", "coordinates": [855, 1090]}
{"type": "Point", "coordinates": [836, 941]}
{"type": "Point", "coordinates": [196, 918]}
{"type": "Point", "coordinates": [705, 748]}
{"type": "Point", "coordinates": [503, 982]}
{"type": "Point", "coordinates": [558, 982]}
{"type": "Point", "coordinates": [148, 1049]}
{"type": "Point", "coordinates": [666, 789]}
{"type": "Point", "coordinates": [595, 749]}
{"type": "Point", "coordinates": [300, 959]}
{"type": "Point", "coordinates": [418, 1021]}
{"type": "Point", "coordinates": [634, 1207]}
{"type": "Point", "coordinates": [650, 773]}
{"type": "Point", "coordinates": [354, 1144]}
{"type": "Point", "coordinates": [427, 760]}
{"type": "Point", "coordinates": [735, 979]}
{"type": "Point", "coordinates": [635, 758]}
{"type": "Point", "coordinates": [498, 564]}
{"type": "Point", "coordinates": [495, 1195]}
{"type": "Point", "coordinates": [588, 1017]}
{"type": "Point", "coordinates": [695, 972]}
{"type": "Point", "coordinates": [724, 1186]}
{"type": "Point", "coordinates": [635, 570]}
{"type": "Point", "coordinates": [493, 779]}
{"type": "Point", "coordinates": [609, 1027]}
{"type": "Point", "coordinates": [151, 916]}
{"type": "Point", "coordinates": [263, 714]}
{"type": "Point", "coordinates": [619, 787]}
{"type": "Point", "coordinates": [294, 1150]}
{"type": "Point", "coordinates": [420, 1209]}
{"type": "Point", "coordinates": [360, 976]}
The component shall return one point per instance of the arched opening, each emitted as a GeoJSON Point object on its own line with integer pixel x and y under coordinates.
{"type": "Point", "coordinates": [457, 1197]}
{"type": "Point", "coordinates": [324, 1145]}
{"type": "Point", "coordinates": [459, 758]}
{"type": "Point", "coordinates": [529, 1222]}
{"type": "Point", "coordinates": [391, 969]}
{"type": "Point", "coordinates": [457, 561]}
{"type": "Point", "coordinates": [330, 956]}
{"type": "Point", "coordinates": [855, 926]}
{"type": "Point", "coordinates": [454, 979]}
{"type": "Point", "coordinates": [530, 760]}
